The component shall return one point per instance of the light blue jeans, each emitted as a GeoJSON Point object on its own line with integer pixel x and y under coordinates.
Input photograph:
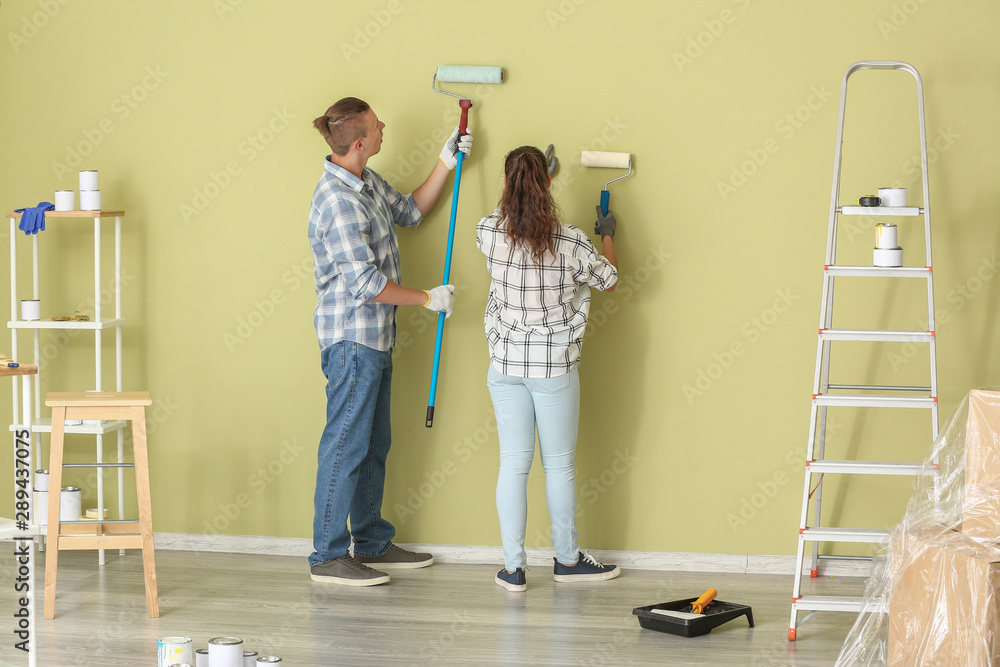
{"type": "Point", "coordinates": [552, 405]}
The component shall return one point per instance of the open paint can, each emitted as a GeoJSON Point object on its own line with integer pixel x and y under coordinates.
{"type": "Point", "coordinates": [173, 651]}
{"type": "Point", "coordinates": [225, 652]}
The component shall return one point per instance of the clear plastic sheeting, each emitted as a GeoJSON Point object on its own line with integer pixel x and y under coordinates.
{"type": "Point", "coordinates": [933, 597]}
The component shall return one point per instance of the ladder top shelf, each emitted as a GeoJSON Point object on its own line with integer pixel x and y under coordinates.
{"type": "Point", "coordinates": [881, 210]}
{"type": "Point", "coordinates": [76, 214]}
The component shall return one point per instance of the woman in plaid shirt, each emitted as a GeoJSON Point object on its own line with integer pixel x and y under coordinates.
{"type": "Point", "coordinates": [542, 271]}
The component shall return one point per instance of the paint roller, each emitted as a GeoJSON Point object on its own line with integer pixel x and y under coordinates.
{"type": "Point", "coordinates": [455, 74]}
{"type": "Point", "coordinates": [609, 161]}
{"type": "Point", "coordinates": [697, 607]}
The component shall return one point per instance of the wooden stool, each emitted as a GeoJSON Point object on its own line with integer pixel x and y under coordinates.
{"type": "Point", "coordinates": [100, 534]}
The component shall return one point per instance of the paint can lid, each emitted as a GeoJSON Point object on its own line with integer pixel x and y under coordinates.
{"type": "Point", "coordinates": [225, 641]}
{"type": "Point", "coordinates": [175, 640]}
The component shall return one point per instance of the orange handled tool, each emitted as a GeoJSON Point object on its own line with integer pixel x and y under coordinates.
{"type": "Point", "coordinates": [698, 606]}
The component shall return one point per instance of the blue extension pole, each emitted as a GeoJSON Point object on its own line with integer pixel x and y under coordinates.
{"type": "Point", "coordinates": [447, 270]}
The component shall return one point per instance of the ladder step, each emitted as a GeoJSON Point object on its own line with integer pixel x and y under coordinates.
{"type": "Point", "coordinates": [875, 401]}
{"type": "Point", "coordinates": [869, 468]}
{"type": "Point", "coordinates": [884, 271]}
{"type": "Point", "coordinates": [825, 534]}
{"type": "Point", "coordinates": [877, 335]}
{"type": "Point", "coordinates": [875, 387]}
{"type": "Point", "coordinates": [881, 210]}
{"type": "Point", "coordinates": [827, 603]}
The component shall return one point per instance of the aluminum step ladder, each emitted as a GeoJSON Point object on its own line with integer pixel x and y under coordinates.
{"type": "Point", "coordinates": [826, 394]}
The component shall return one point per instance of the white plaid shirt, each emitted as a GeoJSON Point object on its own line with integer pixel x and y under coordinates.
{"type": "Point", "coordinates": [536, 313]}
{"type": "Point", "coordinates": [355, 255]}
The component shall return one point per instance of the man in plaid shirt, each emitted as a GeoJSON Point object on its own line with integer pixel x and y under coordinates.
{"type": "Point", "coordinates": [356, 264]}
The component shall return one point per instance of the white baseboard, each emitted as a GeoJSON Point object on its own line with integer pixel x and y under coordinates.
{"type": "Point", "coordinates": [537, 557]}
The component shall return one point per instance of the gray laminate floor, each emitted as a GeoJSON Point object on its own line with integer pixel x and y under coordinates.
{"type": "Point", "coordinates": [447, 614]}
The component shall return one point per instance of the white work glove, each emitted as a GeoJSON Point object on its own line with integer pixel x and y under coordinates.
{"type": "Point", "coordinates": [449, 154]}
{"type": "Point", "coordinates": [441, 299]}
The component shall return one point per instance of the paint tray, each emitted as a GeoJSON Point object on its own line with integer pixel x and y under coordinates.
{"type": "Point", "coordinates": [716, 613]}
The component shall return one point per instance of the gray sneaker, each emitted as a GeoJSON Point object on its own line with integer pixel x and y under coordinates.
{"type": "Point", "coordinates": [348, 572]}
{"type": "Point", "coordinates": [398, 559]}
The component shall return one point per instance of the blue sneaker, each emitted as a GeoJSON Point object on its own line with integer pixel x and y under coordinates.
{"type": "Point", "coordinates": [512, 581]}
{"type": "Point", "coordinates": [586, 569]}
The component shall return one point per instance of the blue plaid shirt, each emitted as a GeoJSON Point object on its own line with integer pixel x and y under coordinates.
{"type": "Point", "coordinates": [355, 255]}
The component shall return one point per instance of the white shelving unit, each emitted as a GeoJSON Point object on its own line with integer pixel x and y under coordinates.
{"type": "Point", "coordinates": [98, 325]}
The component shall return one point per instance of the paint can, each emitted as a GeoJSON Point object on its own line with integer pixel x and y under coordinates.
{"type": "Point", "coordinates": [31, 310]}
{"type": "Point", "coordinates": [886, 236]}
{"type": "Point", "coordinates": [888, 257]}
{"type": "Point", "coordinates": [65, 200]}
{"type": "Point", "coordinates": [173, 650]}
{"type": "Point", "coordinates": [41, 508]}
{"type": "Point", "coordinates": [41, 480]}
{"type": "Point", "coordinates": [892, 196]}
{"type": "Point", "coordinates": [90, 200]}
{"type": "Point", "coordinates": [268, 661]}
{"type": "Point", "coordinates": [225, 652]}
{"type": "Point", "coordinates": [71, 507]}
{"type": "Point", "coordinates": [249, 658]}
{"type": "Point", "coordinates": [201, 657]}
{"type": "Point", "coordinates": [88, 180]}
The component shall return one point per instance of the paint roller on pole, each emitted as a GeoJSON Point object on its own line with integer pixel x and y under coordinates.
{"type": "Point", "coordinates": [455, 74]}
{"type": "Point", "coordinates": [608, 161]}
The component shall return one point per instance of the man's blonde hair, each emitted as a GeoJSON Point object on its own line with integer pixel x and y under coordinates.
{"type": "Point", "coordinates": [343, 124]}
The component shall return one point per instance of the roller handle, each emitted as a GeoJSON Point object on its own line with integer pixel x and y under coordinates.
{"type": "Point", "coordinates": [605, 201]}
{"type": "Point", "coordinates": [699, 605]}
{"type": "Point", "coordinates": [430, 417]}
{"type": "Point", "coordinates": [463, 125]}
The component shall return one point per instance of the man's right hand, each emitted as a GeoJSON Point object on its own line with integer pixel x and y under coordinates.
{"type": "Point", "coordinates": [441, 299]}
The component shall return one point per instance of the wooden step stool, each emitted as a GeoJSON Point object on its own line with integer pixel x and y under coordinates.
{"type": "Point", "coordinates": [100, 534]}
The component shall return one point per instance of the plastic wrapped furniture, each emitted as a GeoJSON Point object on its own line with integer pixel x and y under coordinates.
{"type": "Point", "coordinates": [933, 597]}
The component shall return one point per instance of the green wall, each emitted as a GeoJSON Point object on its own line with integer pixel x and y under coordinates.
{"type": "Point", "coordinates": [198, 116]}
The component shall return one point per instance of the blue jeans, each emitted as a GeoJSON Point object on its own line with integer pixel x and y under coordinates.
{"type": "Point", "coordinates": [552, 405]}
{"type": "Point", "coordinates": [350, 479]}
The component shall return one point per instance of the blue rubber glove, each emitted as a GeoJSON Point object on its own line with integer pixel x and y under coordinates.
{"type": "Point", "coordinates": [33, 218]}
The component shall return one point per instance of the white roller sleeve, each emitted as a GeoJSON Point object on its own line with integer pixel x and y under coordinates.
{"type": "Point", "coordinates": [605, 159]}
